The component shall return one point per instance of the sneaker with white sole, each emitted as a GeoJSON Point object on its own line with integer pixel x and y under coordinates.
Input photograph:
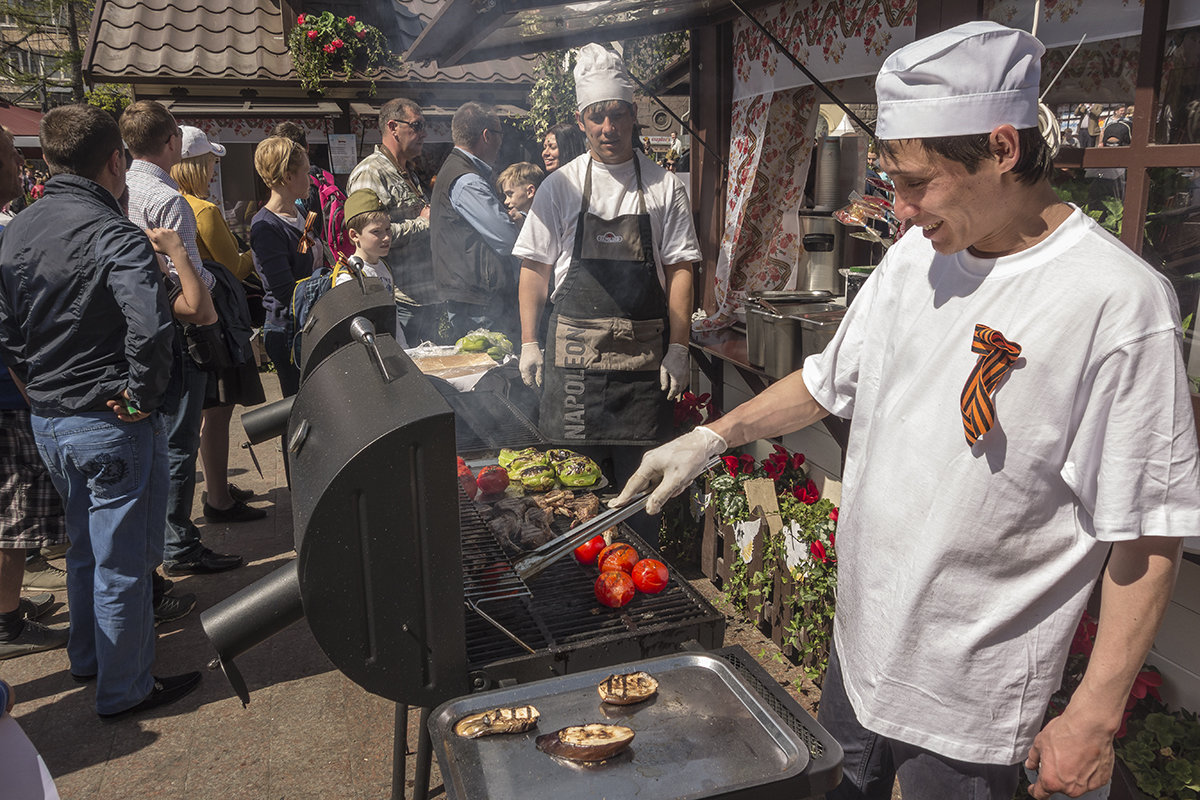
{"type": "Point", "coordinates": [42, 576]}
{"type": "Point", "coordinates": [34, 638]}
{"type": "Point", "coordinates": [36, 606]}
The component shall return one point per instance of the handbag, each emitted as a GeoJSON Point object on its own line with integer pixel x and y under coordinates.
{"type": "Point", "coordinates": [207, 347]}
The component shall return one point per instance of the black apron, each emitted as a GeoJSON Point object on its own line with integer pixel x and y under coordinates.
{"type": "Point", "coordinates": [607, 335]}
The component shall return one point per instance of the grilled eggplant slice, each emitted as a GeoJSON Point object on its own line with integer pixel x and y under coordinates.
{"type": "Point", "coordinates": [497, 720]}
{"type": "Point", "coordinates": [627, 689]}
{"type": "Point", "coordinates": [592, 742]}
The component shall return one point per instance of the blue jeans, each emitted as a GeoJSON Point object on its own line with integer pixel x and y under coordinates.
{"type": "Point", "coordinates": [113, 479]}
{"type": "Point", "coordinates": [181, 538]}
{"type": "Point", "coordinates": [872, 762]}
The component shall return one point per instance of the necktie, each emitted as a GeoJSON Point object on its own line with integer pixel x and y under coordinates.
{"type": "Point", "coordinates": [996, 356]}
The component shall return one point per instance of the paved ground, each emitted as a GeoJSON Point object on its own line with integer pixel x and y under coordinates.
{"type": "Point", "coordinates": [308, 731]}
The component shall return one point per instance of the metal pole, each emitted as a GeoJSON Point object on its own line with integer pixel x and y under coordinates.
{"type": "Point", "coordinates": [424, 758]}
{"type": "Point", "coordinates": [399, 751]}
{"type": "Point", "coordinates": [796, 63]}
{"type": "Point", "coordinates": [678, 119]}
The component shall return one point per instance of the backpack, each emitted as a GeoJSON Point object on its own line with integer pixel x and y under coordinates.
{"type": "Point", "coordinates": [332, 201]}
{"type": "Point", "coordinates": [306, 294]}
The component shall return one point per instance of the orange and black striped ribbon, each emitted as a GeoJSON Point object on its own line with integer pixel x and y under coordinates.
{"type": "Point", "coordinates": [308, 238]}
{"type": "Point", "coordinates": [996, 356]}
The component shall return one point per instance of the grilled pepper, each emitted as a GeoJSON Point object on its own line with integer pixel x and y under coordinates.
{"type": "Point", "coordinates": [578, 471]}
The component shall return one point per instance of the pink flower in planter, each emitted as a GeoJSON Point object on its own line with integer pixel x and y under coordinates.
{"type": "Point", "coordinates": [329, 48]}
{"type": "Point", "coordinates": [818, 552]}
{"type": "Point", "coordinates": [312, 34]}
{"type": "Point", "coordinates": [731, 465]}
{"type": "Point", "coordinates": [361, 34]}
{"type": "Point", "coordinates": [338, 44]}
{"type": "Point", "coordinates": [300, 20]}
{"type": "Point", "coordinates": [350, 19]}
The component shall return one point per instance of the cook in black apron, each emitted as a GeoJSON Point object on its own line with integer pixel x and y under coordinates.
{"type": "Point", "coordinates": [607, 336]}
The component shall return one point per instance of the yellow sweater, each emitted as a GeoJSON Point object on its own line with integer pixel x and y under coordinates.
{"type": "Point", "coordinates": [215, 241]}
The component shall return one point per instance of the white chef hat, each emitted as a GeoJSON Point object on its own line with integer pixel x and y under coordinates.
{"type": "Point", "coordinates": [965, 80]}
{"type": "Point", "coordinates": [600, 76]}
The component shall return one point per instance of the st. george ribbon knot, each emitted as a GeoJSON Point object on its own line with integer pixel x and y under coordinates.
{"type": "Point", "coordinates": [996, 356]}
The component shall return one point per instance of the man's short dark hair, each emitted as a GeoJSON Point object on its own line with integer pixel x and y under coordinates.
{"type": "Point", "coordinates": [1035, 162]}
{"type": "Point", "coordinates": [146, 127]}
{"type": "Point", "coordinates": [470, 121]}
{"type": "Point", "coordinates": [291, 130]}
{"type": "Point", "coordinates": [395, 109]}
{"type": "Point", "coordinates": [78, 140]}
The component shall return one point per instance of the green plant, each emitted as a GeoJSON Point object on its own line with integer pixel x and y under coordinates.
{"type": "Point", "coordinates": [324, 46]}
{"type": "Point", "coordinates": [1162, 750]}
{"type": "Point", "coordinates": [109, 96]}
{"type": "Point", "coordinates": [677, 535]}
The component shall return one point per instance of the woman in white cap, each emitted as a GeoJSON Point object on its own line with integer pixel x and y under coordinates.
{"type": "Point", "coordinates": [1022, 427]}
{"type": "Point", "coordinates": [240, 384]}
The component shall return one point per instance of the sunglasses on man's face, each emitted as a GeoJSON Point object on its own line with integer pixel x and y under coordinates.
{"type": "Point", "coordinates": [417, 126]}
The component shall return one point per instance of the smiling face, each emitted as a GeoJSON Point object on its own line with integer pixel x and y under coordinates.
{"type": "Point", "coordinates": [550, 152]}
{"type": "Point", "coordinates": [518, 196]}
{"type": "Point", "coordinates": [954, 208]}
{"type": "Point", "coordinates": [609, 130]}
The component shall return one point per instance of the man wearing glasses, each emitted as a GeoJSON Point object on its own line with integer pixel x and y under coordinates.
{"type": "Point", "coordinates": [473, 235]}
{"type": "Point", "coordinates": [388, 173]}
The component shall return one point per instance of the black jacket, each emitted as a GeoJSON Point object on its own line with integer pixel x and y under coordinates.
{"type": "Point", "coordinates": [83, 310]}
{"type": "Point", "coordinates": [465, 267]}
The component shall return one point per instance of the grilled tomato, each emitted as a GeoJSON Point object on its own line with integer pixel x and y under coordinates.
{"type": "Point", "coordinates": [614, 588]}
{"type": "Point", "coordinates": [618, 556]}
{"type": "Point", "coordinates": [586, 553]}
{"type": "Point", "coordinates": [650, 576]}
{"type": "Point", "coordinates": [467, 479]}
{"type": "Point", "coordinates": [492, 480]}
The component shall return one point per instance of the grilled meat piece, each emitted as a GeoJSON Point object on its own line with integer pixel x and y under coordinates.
{"type": "Point", "coordinates": [592, 742]}
{"type": "Point", "coordinates": [556, 498]}
{"type": "Point", "coordinates": [585, 506]}
{"type": "Point", "coordinates": [497, 720]}
{"type": "Point", "coordinates": [627, 689]}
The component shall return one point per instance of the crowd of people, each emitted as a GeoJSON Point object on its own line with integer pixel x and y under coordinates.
{"type": "Point", "coordinates": [126, 338]}
{"type": "Point", "coordinates": [1100, 128]}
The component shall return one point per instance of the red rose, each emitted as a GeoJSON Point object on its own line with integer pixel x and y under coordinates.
{"type": "Point", "coordinates": [731, 465]}
{"type": "Point", "coordinates": [818, 552]}
{"type": "Point", "coordinates": [312, 34]}
{"type": "Point", "coordinates": [300, 20]}
{"type": "Point", "coordinates": [337, 43]}
{"type": "Point", "coordinates": [350, 19]}
{"type": "Point", "coordinates": [833, 515]}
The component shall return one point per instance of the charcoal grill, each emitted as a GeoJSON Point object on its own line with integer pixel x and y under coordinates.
{"type": "Point", "coordinates": [488, 421]}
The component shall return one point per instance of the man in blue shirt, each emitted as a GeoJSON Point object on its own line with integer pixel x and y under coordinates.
{"type": "Point", "coordinates": [473, 235]}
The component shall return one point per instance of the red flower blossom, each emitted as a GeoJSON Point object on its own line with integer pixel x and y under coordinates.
{"type": "Point", "coordinates": [797, 460]}
{"type": "Point", "coordinates": [833, 515]}
{"type": "Point", "coordinates": [833, 540]}
{"type": "Point", "coordinates": [312, 34]}
{"type": "Point", "coordinates": [338, 44]}
{"type": "Point", "coordinates": [300, 20]}
{"type": "Point", "coordinates": [731, 465]}
{"type": "Point", "coordinates": [329, 48]}
{"type": "Point", "coordinates": [361, 34]}
{"type": "Point", "coordinates": [350, 19]}
{"type": "Point", "coordinates": [818, 552]}
{"type": "Point", "coordinates": [1146, 683]}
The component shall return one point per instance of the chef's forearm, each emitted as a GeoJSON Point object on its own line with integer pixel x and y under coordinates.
{"type": "Point", "coordinates": [679, 301]}
{"type": "Point", "coordinates": [531, 297]}
{"type": "Point", "coordinates": [1134, 595]}
{"type": "Point", "coordinates": [785, 406]}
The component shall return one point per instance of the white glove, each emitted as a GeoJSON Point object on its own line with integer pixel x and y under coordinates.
{"type": "Point", "coordinates": [673, 467]}
{"type": "Point", "coordinates": [673, 372]}
{"type": "Point", "coordinates": [531, 364]}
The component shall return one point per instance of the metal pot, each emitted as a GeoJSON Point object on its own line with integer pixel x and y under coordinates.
{"type": "Point", "coordinates": [764, 308]}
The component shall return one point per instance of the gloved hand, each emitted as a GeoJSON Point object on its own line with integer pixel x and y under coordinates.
{"type": "Point", "coordinates": [531, 364]}
{"type": "Point", "coordinates": [673, 372]}
{"type": "Point", "coordinates": [673, 466]}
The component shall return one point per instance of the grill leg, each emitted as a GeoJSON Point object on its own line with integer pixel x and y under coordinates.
{"type": "Point", "coordinates": [424, 758]}
{"type": "Point", "coordinates": [399, 751]}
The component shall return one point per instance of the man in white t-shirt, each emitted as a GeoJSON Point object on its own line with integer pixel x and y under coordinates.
{"type": "Point", "coordinates": [612, 233]}
{"type": "Point", "coordinates": [1021, 412]}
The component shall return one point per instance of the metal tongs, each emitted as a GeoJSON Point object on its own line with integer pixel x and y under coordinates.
{"type": "Point", "coordinates": [533, 564]}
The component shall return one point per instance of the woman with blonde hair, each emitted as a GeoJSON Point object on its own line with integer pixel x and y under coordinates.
{"type": "Point", "coordinates": [283, 249]}
{"type": "Point", "coordinates": [238, 384]}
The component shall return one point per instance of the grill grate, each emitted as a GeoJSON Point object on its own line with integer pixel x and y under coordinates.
{"type": "Point", "coordinates": [489, 421]}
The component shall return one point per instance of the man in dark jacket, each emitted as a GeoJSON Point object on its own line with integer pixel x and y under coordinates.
{"type": "Point", "coordinates": [85, 325]}
{"type": "Point", "coordinates": [473, 235]}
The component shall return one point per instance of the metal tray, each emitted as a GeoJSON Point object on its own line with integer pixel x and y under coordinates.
{"type": "Point", "coordinates": [706, 734]}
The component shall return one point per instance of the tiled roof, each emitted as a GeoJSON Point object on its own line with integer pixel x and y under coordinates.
{"type": "Point", "coordinates": [244, 40]}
